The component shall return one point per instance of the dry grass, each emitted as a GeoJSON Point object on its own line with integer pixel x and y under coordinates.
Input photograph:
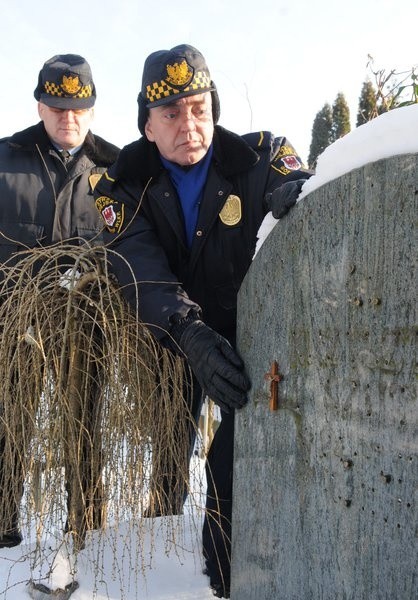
{"type": "Point", "coordinates": [92, 409]}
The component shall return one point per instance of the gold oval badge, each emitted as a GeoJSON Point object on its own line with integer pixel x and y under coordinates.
{"type": "Point", "coordinates": [231, 211]}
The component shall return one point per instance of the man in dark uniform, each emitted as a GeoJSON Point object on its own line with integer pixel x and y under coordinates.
{"type": "Point", "coordinates": [183, 206]}
{"type": "Point", "coordinates": [47, 176]}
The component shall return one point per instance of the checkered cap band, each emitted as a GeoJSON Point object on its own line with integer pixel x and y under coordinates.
{"type": "Point", "coordinates": [157, 91]}
{"type": "Point", "coordinates": [53, 89]}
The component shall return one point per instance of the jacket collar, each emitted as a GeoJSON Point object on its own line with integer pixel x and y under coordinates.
{"type": "Point", "coordinates": [140, 160]}
{"type": "Point", "coordinates": [96, 148]}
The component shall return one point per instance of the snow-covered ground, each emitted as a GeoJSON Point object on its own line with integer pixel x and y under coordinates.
{"type": "Point", "coordinates": [173, 570]}
{"type": "Point", "coordinates": [158, 560]}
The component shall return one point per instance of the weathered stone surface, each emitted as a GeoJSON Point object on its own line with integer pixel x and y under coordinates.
{"type": "Point", "coordinates": [325, 488]}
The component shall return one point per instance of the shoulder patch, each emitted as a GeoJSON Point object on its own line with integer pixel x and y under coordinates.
{"type": "Point", "coordinates": [286, 161]}
{"type": "Point", "coordinates": [113, 213]}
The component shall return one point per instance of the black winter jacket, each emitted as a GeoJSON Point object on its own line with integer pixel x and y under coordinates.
{"type": "Point", "coordinates": [40, 201]}
{"type": "Point", "coordinates": [145, 227]}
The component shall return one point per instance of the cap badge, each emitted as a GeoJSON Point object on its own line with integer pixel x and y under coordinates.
{"type": "Point", "coordinates": [179, 74]}
{"type": "Point", "coordinates": [231, 211]}
{"type": "Point", "coordinates": [71, 84]}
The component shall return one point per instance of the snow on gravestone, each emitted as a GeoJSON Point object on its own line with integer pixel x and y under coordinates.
{"type": "Point", "coordinates": [324, 487]}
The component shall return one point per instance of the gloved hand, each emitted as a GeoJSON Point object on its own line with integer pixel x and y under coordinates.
{"type": "Point", "coordinates": [216, 365]}
{"type": "Point", "coordinates": [281, 200]}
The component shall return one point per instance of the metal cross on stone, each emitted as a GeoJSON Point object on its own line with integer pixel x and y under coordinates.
{"type": "Point", "coordinates": [274, 377]}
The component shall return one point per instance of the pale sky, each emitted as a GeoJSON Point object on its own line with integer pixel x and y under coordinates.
{"type": "Point", "coordinates": [275, 62]}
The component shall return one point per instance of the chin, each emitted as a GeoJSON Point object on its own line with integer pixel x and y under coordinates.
{"type": "Point", "coordinates": [193, 158]}
{"type": "Point", "coordinates": [70, 138]}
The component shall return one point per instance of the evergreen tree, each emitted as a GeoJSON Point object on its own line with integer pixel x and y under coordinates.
{"type": "Point", "coordinates": [321, 134]}
{"type": "Point", "coordinates": [340, 117]}
{"type": "Point", "coordinates": [367, 107]}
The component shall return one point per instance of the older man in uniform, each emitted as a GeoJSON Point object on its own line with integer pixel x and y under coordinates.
{"type": "Point", "coordinates": [47, 176]}
{"type": "Point", "coordinates": [183, 206]}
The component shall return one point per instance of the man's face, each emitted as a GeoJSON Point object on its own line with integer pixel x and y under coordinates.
{"type": "Point", "coordinates": [183, 129]}
{"type": "Point", "coordinates": [67, 128]}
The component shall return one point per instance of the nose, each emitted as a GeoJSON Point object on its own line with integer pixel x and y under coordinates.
{"type": "Point", "coordinates": [188, 122]}
{"type": "Point", "coordinates": [68, 114]}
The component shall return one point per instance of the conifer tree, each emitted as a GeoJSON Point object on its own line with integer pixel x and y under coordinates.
{"type": "Point", "coordinates": [340, 117]}
{"type": "Point", "coordinates": [321, 134]}
{"type": "Point", "coordinates": [367, 107]}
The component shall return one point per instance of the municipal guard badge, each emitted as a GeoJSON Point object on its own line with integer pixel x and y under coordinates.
{"type": "Point", "coordinates": [231, 211]}
{"type": "Point", "coordinates": [179, 75]}
{"type": "Point", "coordinates": [71, 84]}
{"type": "Point", "coordinates": [93, 179]}
{"type": "Point", "coordinates": [112, 213]}
{"type": "Point", "coordinates": [286, 161]}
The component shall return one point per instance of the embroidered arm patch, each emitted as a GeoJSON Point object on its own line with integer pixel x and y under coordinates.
{"type": "Point", "coordinates": [286, 161]}
{"type": "Point", "coordinates": [112, 212]}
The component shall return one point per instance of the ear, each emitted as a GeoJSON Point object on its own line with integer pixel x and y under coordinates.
{"type": "Point", "coordinates": [149, 131]}
{"type": "Point", "coordinates": [40, 110]}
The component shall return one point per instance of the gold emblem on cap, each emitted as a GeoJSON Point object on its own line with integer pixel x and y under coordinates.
{"type": "Point", "coordinates": [70, 84]}
{"type": "Point", "coordinates": [231, 211]}
{"type": "Point", "coordinates": [179, 73]}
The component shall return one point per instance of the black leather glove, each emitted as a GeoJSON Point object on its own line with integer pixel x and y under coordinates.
{"type": "Point", "coordinates": [216, 365]}
{"type": "Point", "coordinates": [281, 200]}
